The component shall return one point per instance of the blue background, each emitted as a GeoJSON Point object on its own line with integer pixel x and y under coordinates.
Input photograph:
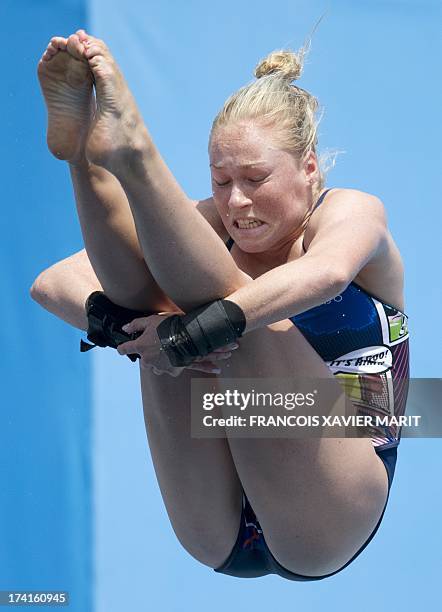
{"type": "Point", "coordinates": [80, 508]}
{"type": "Point", "coordinates": [45, 404]}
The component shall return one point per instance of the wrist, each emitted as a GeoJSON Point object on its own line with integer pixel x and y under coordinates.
{"type": "Point", "coordinates": [200, 332]}
{"type": "Point", "coordinates": [105, 323]}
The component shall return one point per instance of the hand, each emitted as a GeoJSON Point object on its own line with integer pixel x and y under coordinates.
{"type": "Point", "coordinates": [148, 346]}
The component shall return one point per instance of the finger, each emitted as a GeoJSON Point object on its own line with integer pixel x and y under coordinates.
{"type": "Point", "coordinates": [127, 348]}
{"type": "Point", "coordinates": [214, 356]}
{"type": "Point", "coordinates": [171, 312]}
{"type": "Point", "coordinates": [208, 368]}
{"type": "Point", "coordinates": [175, 372]}
{"type": "Point", "coordinates": [228, 347]}
{"type": "Point", "coordinates": [135, 325]}
{"type": "Point", "coordinates": [218, 356]}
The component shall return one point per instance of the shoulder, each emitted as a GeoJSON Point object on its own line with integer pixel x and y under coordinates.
{"type": "Point", "coordinates": [348, 207]}
{"type": "Point", "coordinates": [346, 202]}
{"type": "Point", "coordinates": [209, 211]}
{"type": "Point", "coordinates": [349, 232]}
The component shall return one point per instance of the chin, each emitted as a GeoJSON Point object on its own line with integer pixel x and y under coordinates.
{"type": "Point", "coordinates": [250, 247]}
{"type": "Point", "coordinates": [257, 241]}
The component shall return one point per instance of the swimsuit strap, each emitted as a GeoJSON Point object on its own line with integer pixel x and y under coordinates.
{"type": "Point", "coordinates": [318, 203]}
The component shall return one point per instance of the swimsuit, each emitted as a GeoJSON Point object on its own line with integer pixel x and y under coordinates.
{"type": "Point", "coordinates": [364, 342]}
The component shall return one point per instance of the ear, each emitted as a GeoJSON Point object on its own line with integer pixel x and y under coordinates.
{"type": "Point", "coordinates": [311, 167]}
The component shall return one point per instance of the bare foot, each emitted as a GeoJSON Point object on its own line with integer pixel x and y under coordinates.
{"type": "Point", "coordinates": [118, 129]}
{"type": "Point", "coordinates": [66, 82]}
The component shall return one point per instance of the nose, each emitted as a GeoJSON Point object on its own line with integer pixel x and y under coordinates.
{"type": "Point", "coordinates": [238, 199]}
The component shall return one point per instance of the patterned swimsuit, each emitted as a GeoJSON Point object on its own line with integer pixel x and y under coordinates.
{"type": "Point", "coordinates": [364, 342]}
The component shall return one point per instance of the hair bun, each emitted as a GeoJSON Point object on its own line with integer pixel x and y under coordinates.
{"type": "Point", "coordinates": [288, 63]}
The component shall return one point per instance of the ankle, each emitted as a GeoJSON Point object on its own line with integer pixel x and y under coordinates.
{"type": "Point", "coordinates": [135, 161]}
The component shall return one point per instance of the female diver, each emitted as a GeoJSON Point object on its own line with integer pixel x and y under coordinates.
{"type": "Point", "coordinates": [311, 283]}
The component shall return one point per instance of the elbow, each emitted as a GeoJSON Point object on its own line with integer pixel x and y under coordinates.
{"type": "Point", "coordinates": [33, 291]}
{"type": "Point", "coordinates": [39, 290]}
{"type": "Point", "coordinates": [341, 280]}
{"type": "Point", "coordinates": [331, 276]}
{"type": "Point", "coordinates": [336, 281]}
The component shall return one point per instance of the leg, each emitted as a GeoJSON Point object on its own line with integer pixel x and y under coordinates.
{"type": "Point", "coordinates": [197, 478]}
{"type": "Point", "coordinates": [317, 500]}
{"type": "Point", "coordinates": [64, 288]}
{"type": "Point", "coordinates": [165, 218]}
{"type": "Point", "coordinates": [66, 83]}
{"type": "Point", "coordinates": [111, 241]}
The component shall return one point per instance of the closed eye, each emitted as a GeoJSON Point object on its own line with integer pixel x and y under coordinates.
{"type": "Point", "coordinates": [258, 180]}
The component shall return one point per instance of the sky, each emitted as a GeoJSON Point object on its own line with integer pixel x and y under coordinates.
{"type": "Point", "coordinates": [373, 66]}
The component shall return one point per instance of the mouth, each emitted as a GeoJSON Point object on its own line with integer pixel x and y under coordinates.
{"type": "Point", "coordinates": [245, 224]}
{"type": "Point", "coordinates": [249, 228]}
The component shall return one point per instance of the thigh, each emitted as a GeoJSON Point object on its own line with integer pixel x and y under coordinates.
{"type": "Point", "coordinates": [197, 477]}
{"type": "Point", "coordinates": [317, 499]}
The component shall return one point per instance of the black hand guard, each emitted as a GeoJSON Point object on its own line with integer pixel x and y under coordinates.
{"type": "Point", "coordinates": [198, 333]}
{"type": "Point", "coordinates": [105, 321]}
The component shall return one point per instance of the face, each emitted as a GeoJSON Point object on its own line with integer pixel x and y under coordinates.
{"type": "Point", "coordinates": [262, 192]}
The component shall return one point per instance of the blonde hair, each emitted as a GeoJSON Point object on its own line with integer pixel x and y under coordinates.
{"type": "Point", "coordinates": [274, 101]}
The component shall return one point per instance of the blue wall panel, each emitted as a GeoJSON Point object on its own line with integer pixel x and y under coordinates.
{"type": "Point", "coordinates": [45, 416]}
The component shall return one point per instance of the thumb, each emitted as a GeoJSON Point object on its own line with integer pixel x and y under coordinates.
{"type": "Point", "coordinates": [135, 325]}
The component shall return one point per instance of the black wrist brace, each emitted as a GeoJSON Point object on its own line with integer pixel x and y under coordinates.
{"type": "Point", "coordinates": [105, 320]}
{"type": "Point", "coordinates": [201, 331]}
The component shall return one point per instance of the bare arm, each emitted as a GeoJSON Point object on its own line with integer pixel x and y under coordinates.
{"type": "Point", "coordinates": [350, 233]}
{"type": "Point", "coordinates": [63, 288]}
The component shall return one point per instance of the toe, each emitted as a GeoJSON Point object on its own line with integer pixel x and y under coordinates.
{"type": "Point", "coordinates": [58, 42]}
{"type": "Point", "coordinates": [92, 41]}
{"type": "Point", "coordinates": [49, 52]}
{"type": "Point", "coordinates": [92, 50]}
{"type": "Point", "coordinates": [51, 49]}
{"type": "Point", "coordinates": [75, 47]}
